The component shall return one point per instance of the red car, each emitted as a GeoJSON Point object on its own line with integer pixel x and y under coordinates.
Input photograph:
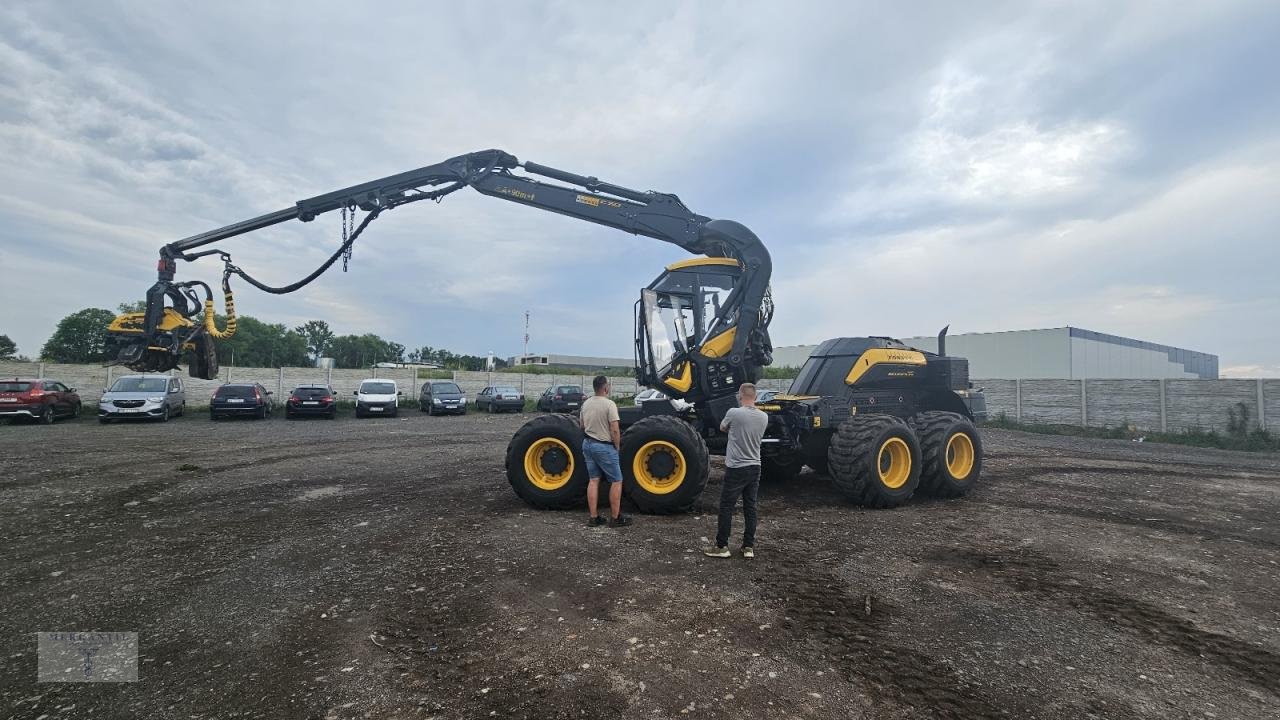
{"type": "Point", "coordinates": [38, 399]}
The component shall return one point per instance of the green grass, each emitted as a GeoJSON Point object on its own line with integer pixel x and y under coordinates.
{"type": "Point", "coordinates": [780, 373]}
{"type": "Point", "coordinates": [434, 374]}
{"type": "Point", "coordinates": [1252, 440]}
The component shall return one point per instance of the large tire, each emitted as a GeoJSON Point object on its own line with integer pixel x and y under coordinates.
{"type": "Point", "coordinates": [875, 460]}
{"type": "Point", "coordinates": [664, 464]}
{"type": "Point", "coordinates": [164, 414]}
{"type": "Point", "coordinates": [951, 453]}
{"type": "Point", "coordinates": [781, 468]}
{"type": "Point", "coordinates": [545, 465]}
{"type": "Point", "coordinates": [46, 415]}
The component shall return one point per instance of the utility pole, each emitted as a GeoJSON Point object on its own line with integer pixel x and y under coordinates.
{"type": "Point", "coordinates": [525, 358]}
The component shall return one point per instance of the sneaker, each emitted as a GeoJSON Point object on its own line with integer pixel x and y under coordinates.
{"type": "Point", "coordinates": [748, 552]}
{"type": "Point", "coordinates": [720, 552]}
{"type": "Point", "coordinates": [620, 521]}
{"type": "Point", "coordinates": [596, 521]}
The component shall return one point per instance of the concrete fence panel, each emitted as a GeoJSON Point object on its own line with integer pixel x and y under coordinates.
{"type": "Point", "coordinates": [13, 369]}
{"type": "Point", "coordinates": [293, 377]}
{"type": "Point", "coordinates": [1205, 404]}
{"type": "Point", "coordinates": [1002, 397]}
{"type": "Point", "coordinates": [1052, 402]}
{"type": "Point", "coordinates": [1115, 403]}
{"type": "Point", "coordinates": [1271, 402]}
{"type": "Point", "coordinates": [776, 384]}
{"type": "Point", "coordinates": [532, 385]}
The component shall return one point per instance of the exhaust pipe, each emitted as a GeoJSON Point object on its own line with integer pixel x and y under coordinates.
{"type": "Point", "coordinates": [942, 341]}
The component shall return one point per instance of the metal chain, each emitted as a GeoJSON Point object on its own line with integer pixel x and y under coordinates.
{"type": "Point", "coordinates": [348, 226]}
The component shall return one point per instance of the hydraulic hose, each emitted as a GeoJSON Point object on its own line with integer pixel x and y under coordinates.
{"type": "Point", "coordinates": [230, 306]}
{"type": "Point", "coordinates": [304, 281]}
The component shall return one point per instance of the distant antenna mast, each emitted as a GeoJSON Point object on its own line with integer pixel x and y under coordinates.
{"type": "Point", "coordinates": [526, 338]}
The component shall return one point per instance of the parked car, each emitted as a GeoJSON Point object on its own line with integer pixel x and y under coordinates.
{"type": "Point", "coordinates": [157, 397]}
{"type": "Point", "coordinates": [500, 398]}
{"type": "Point", "coordinates": [651, 395]}
{"type": "Point", "coordinates": [241, 399]}
{"type": "Point", "coordinates": [441, 397]}
{"type": "Point", "coordinates": [561, 398]}
{"type": "Point", "coordinates": [311, 400]}
{"type": "Point", "coordinates": [37, 399]}
{"type": "Point", "coordinates": [377, 397]}
{"type": "Point", "coordinates": [765, 396]}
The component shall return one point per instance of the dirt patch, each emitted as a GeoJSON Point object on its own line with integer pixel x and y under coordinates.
{"type": "Point", "coordinates": [383, 568]}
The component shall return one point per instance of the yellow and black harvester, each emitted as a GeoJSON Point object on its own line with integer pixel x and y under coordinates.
{"type": "Point", "coordinates": [883, 420]}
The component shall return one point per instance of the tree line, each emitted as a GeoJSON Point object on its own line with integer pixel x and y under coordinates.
{"type": "Point", "coordinates": [81, 338]}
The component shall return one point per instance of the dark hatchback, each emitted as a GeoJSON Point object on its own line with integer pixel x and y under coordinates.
{"type": "Point", "coordinates": [442, 398]}
{"type": "Point", "coordinates": [316, 400]}
{"type": "Point", "coordinates": [243, 399]}
{"type": "Point", "coordinates": [500, 398]}
{"type": "Point", "coordinates": [561, 398]}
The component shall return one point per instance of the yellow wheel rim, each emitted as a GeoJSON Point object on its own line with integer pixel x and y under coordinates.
{"type": "Point", "coordinates": [659, 467]}
{"type": "Point", "coordinates": [540, 459]}
{"type": "Point", "coordinates": [894, 463]}
{"type": "Point", "coordinates": [960, 455]}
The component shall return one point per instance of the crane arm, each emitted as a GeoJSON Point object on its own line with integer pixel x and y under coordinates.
{"type": "Point", "coordinates": [154, 340]}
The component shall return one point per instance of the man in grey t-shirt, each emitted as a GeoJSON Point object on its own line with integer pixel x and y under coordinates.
{"type": "Point", "coordinates": [745, 425]}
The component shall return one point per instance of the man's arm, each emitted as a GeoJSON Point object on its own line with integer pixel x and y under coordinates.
{"type": "Point", "coordinates": [724, 424]}
{"type": "Point", "coordinates": [614, 420]}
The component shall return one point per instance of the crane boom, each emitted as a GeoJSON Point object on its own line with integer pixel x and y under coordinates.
{"type": "Point", "coordinates": [157, 338]}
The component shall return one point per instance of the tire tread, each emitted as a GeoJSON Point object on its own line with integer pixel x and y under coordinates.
{"type": "Point", "coordinates": [847, 457]}
{"type": "Point", "coordinates": [672, 427]}
{"type": "Point", "coordinates": [536, 428]}
{"type": "Point", "coordinates": [932, 429]}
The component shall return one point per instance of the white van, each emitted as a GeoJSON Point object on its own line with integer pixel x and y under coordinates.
{"type": "Point", "coordinates": [377, 397]}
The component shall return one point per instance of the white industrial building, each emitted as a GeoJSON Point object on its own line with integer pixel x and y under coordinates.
{"type": "Point", "coordinates": [579, 362]}
{"type": "Point", "coordinates": [1060, 353]}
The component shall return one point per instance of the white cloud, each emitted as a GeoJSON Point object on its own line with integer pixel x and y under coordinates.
{"type": "Point", "coordinates": [907, 167]}
{"type": "Point", "coordinates": [1158, 271]}
{"type": "Point", "coordinates": [1250, 371]}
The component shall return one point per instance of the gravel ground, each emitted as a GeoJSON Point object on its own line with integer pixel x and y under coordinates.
{"type": "Point", "coordinates": [383, 568]}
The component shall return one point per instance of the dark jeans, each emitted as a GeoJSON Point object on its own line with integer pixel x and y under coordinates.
{"type": "Point", "coordinates": [744, 481]}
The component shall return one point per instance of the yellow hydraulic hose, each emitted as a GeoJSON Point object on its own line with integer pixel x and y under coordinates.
{"type": "Point", "coordinates": [230, 304]}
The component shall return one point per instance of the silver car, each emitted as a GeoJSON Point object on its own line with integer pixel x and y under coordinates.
{"type": "Point", "coordinates": [157, 397]}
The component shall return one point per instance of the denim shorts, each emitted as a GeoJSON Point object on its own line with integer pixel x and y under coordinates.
{"type": "Point", "coordinates": [602, 460]}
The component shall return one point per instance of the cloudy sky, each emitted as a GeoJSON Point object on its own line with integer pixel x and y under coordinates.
{"type": "Point", "coordinates": [1113, 166]}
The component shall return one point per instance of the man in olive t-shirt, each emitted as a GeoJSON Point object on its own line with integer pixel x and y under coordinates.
{"type": "Point", "coordinates": [601, 441]}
